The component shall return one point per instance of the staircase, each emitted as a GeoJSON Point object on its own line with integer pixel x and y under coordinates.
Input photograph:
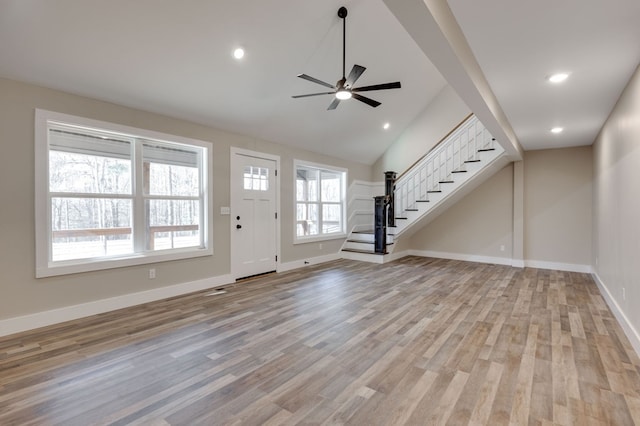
{"type": "Point", "coordinates": [453, 168]}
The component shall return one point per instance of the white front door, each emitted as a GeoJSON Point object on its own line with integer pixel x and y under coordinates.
{"type": "Point", "coordinates": [253, 213]}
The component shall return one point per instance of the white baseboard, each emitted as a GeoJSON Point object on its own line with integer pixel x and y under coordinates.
{"type": "Point", "coordinates": [68, 313]}
{"type": "Point", "coordinates": [459, 256]}
{"type": "Point", "coordinates": [569, 267]}
{"type": "Point", "coordinates": [516, 263]}
{"type": "Point", "coordinates": [295, 264]}
{"type": "Point", "coordinates": [629, 330]}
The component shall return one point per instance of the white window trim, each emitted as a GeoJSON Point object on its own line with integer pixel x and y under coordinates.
{"type": "Point", "coordinates": [45, 268]}
{"type": "Point", "coordinates": [343, 202]}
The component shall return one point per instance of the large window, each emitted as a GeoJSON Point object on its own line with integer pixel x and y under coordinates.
{"type": "Point", "coordinates": [110, 196]}
{"type": "Point", "coordinates": [320, 201]}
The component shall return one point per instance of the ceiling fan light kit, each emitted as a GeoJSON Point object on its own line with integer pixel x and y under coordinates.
{"type": "Point", "coordinates": [344, 89]}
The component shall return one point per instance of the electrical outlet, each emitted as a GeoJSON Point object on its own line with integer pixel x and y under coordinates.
{"type": "Point", "coordinates": [624, 294]}
{"type": "Point", "coordinates": [152, 273]}
{"type": "Point", "coordinates": [596, 260]}
{"type": "Point", "coordinates": [502, 247]}
{"type": "Point", "coordinates": [320, 246]}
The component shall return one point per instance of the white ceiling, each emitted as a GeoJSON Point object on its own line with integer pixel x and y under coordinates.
{"type": "Point", "coordinates": [519, 43]}
{"type": "Point", "coordinates": [174, 58]}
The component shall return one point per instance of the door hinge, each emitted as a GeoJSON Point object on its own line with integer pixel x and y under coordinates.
{"type": "Point", "coordinates": [276, 257]}
{"type": "Point", "coordinates": [276, 215]}
{"type": "Point", "coordinates": [276, 171]}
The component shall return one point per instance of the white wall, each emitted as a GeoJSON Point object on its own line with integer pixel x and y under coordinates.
{"type": "Point", "coordinates": [616, 207]}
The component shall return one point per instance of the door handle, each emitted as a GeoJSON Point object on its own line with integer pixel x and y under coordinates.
{"type": "Point", "coordinates": [238, 226]}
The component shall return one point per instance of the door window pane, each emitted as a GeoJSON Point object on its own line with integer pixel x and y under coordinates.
{"type": "Point", "coordinates": [256, 178]}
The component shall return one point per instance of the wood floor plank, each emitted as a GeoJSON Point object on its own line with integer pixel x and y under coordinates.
{"type": "Point", "coordinates": [416, 341]}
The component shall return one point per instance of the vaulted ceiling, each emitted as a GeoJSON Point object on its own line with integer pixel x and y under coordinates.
{"type": "Point", "coordinates": [175, 58]}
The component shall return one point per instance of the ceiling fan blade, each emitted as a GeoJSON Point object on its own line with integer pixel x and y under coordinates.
{"type": "Point", "coordinates": [312, 94]}
{"type": "Point", "coordinates": [315, 80]}
{"type": "Point", "coordinates": [395, 85]}
{"type": "Point", "coordinates": [334, 104]}
{"type": "Point", "coordinates": [366, 100]}
{"type": "Point", "coordinates": [355, 74]}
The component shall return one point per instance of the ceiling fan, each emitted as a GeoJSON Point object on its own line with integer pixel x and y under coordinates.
{"type": "Point", "coordinates": [344, 89]}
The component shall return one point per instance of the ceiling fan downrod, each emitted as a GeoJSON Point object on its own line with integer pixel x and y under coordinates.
{"type": "Point", "coordinates": [342, 13]}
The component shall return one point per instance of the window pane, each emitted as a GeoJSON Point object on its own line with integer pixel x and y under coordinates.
{"type": "Point", "coordinates": [307, 184]}
{"type": "Point", "coordinates": [91, 174]}
{"type": "Point", "coordinates": [307, 219]}
{"type": "Point", "coordinates": [331, 186]}
{"type": "Point", "coordinates": [170, 170]}
{"type": "Point", "coordinates": [331, 218]}
{"type": "Point", "coordinates": [173, 224]}
{"type": "Point", "coordinates": [165, 179]}
{"type": "Point", "coordinates": [90, 227]}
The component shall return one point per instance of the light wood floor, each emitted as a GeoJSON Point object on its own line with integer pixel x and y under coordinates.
{"type": "Point", "coordinates": [419, 341]}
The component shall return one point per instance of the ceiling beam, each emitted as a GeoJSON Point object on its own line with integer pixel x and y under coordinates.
{"type": "Point", "coordinates": [434, 28]}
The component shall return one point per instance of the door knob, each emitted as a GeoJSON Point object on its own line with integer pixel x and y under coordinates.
{"type": "Point", "coordinates": [238, 226]}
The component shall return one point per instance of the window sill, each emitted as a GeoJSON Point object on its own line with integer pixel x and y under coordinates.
{"type": "Point", "coordinates": [89, 265]}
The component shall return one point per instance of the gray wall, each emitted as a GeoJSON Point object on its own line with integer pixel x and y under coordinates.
{"type": "Point", "coordinates": [557, 213]}
{"type": "Point", "coordinates": [616, 202]}
{"type": "Point", "coordinates": [22, 294]}
{"type": "Point", "coordinates": [475, 226]}
{"type": "Point", "coordinates": [557, 205]}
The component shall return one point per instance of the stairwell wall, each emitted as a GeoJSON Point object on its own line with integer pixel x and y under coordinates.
{"type": "Point", "coordinates": [476, 227]}
{"type": "Point", "coordinates": [445, 112]}
{"type": "Point", "coordinates": [557, 216]}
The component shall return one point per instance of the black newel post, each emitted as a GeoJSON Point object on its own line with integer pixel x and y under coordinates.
{"type": "Point", "coordinates": [380, 225]}
{"type": "Point", "coordinates": [389, 186]}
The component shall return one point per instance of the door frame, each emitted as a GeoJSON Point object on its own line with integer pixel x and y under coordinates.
{"type": "Point", "coordinates": [246, 152]}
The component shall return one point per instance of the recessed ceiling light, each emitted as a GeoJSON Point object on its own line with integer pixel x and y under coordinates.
{"type": "Point", "coordinates": [385, 126]}
{"type": "Point", "coordinates": [557, 130]}
{"type": "Point", "coordinates": [558, 78]}
{"type": "Point", "coordinates": [238, 53]}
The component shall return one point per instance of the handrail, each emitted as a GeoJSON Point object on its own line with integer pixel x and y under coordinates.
{"type": "Point", "coordinates": [435, 146]}
{"type": "Point", "coordinates": [449, 156]}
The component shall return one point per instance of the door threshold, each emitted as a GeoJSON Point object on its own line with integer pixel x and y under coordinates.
{"type": "Point", "coordinates": [248, 277]}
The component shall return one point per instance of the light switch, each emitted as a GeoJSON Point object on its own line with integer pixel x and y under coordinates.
{"type": "Point", "coordinates": [225, 210]}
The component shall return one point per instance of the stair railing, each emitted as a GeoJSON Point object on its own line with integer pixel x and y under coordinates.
{"type": "Point", "coordinates": [439, 165]}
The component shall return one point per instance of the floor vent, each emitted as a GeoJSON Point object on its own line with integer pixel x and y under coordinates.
{"type": "Point", "coordinates": [217, 292]}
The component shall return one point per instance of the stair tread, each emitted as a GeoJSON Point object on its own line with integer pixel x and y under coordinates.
{"type": "Point", "coordinates": [472, 161]}
{"type": "Point", "coordinates": [363, 251]}
{"type": "Point", "coordinates": [365, 232]}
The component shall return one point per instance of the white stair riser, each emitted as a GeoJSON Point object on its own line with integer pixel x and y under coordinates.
{"type": "Point", "coordinates": [369, 238]}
